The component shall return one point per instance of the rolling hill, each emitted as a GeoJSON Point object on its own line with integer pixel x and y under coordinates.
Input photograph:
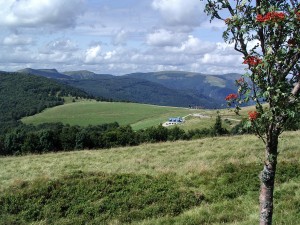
{"type": "Point", "coordinates": [85, 74]}
{"type": "Point", "coordinates": [49, 73]}
{"type": "Point", "coordinates": [216, 87]}
{"type": "Point", "coordinates": [160, 88]}
{"type": "Point", "coordinates": [141, 91]}
{"type": "Point", "coordinates": [139, 116]}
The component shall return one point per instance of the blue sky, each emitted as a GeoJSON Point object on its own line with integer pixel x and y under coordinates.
{"type": "Point", "coordinates": [113, 36]}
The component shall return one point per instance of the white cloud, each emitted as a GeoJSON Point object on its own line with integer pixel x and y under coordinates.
{"type": "Point", "coordinates": [58, 51]}
{"type": "Point", "coordinates": [110, 54]}
{"type": "Point", "coordinates": [55, 57]}
{"type": "Point", "coordinates": [120, 38]}
{"type": "Point", "coordinates": [17, 40]}
{"type": "Point", "coordinates": [164, 37]}
{"type": "Point", "coordinates": [193, 46]}
{"type": "Point", "coordinates": [180, 12]}
{"type": "Point", "coordinates": [31, 13]}
{"type": "Point", "coordinates": [93, 54]}
{"type": "Point", "coordinates": [16, 54]}
{"type": "Point", "coordinates": [62, 45]}
{"type": "Point", "coordinates": [218, 59]}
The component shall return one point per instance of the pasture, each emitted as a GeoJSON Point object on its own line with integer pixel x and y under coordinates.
{"type": "Point", "coordinates": [139, 116]}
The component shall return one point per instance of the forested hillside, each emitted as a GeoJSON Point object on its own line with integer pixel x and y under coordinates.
{"type": "Point", "coordinates": [171, 88]}
{"type": "Point", "coordinates": [141, 91]}
{"type": "Point", "coordinates": [217, 87]}
{"type": "Point", "coordinates": [49, 73]}
{"type": "Point", "coordinates": [23, 95]}
{"type": "Point", "coordinates": [168, 88]}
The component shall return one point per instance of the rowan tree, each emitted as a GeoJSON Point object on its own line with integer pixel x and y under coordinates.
{"type": "Point", "coordinates": [266, 33]}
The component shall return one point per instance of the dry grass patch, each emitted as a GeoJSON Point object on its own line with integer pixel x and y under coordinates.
{"type": "Point", "coordinates": [221, 174]}
{"type": "Point", "coordinates": [179, 157]}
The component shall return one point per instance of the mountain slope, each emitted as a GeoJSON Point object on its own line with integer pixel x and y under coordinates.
{"type": "Point", "coordinates": [213, 86]}
{"type": "Point", "coordinates": [188, 89]}
{"type": "Point", "coordinates": [173, 88]}
{"type": "Point", "coordinates": [85, 74]}
{"type": "Point", "coordinates": [139, 90]}
{"type": "Point", "coordinates": [22, 95]}
{"type": "Point", "coordinates": [49, 73]}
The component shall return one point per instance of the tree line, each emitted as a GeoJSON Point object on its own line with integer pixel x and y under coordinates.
{"type": "Point", "coordinates": [54, 137]}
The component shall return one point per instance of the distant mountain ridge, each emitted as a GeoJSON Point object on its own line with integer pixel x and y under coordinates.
{"type": "Point", "coordinates": [213, 86]}
{"type": "Point", "coordinates": [170, 88]}
{"type": "Point", "coordinates": [85, 74]}
{"type": "Point", "coordinates": [49, 73]}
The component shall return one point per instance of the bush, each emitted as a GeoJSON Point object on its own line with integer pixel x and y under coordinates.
{"type": "Point", "coordinates": [91, 197]}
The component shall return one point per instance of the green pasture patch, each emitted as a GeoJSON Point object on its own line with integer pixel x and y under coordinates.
{"type": "Point", "coordinates": [139, 116]}
{"type": "Point", "coordinates": [215, 81]}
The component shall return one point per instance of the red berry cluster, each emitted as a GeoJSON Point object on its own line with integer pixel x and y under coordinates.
{"type": "Point", "coordinates": [298, 15]}
{"type": "Point", "coordinates": [231, 97]}
{"type": "Point", "coordinates": [271, 16]}
{"type": "Point", "coordinates": [253, 115]}
{"type": "Point", "coordinates": [240, 81]}
{"type": "Point", "coordinates": [252, 61]}
{"type": "Point", "coordinates": [227, 21]}
{"type": "Point", "coordinates": [291, 42]}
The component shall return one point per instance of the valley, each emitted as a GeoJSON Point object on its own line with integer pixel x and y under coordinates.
{"type": "Point", "coordinates": [188, 175]}
{"type": "Point", "coordinates": [166, 88]}
{"type": "Point", "coordinates": [150, 112]}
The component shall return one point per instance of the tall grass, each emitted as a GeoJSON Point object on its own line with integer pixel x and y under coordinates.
{"type": "Point", "coordinates": [218, 176]}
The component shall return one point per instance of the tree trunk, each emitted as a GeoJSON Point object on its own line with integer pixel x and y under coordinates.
{"type": "Point", "coordinates": [267, 178]}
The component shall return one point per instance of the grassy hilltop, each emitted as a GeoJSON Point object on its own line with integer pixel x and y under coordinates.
{"type": "Point", "coordinates": [207, 181]}
{"type": "Point", "coordinates": [139, 116]}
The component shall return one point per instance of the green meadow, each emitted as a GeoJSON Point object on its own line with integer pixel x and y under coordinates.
{"type": "Point", "coordinates": [206, 181]}
{"type": "Point", "coordinates": [139, 116]}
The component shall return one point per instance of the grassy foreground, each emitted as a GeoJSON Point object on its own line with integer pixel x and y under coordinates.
{"type": "Point", "coordinates": [208, 181]}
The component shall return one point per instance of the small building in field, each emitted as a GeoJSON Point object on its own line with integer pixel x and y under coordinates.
{"type": "Point", "coordinates": [173, 121]}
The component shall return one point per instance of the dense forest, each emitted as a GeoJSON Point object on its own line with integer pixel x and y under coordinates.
{"type": "Point", "coordinates": [58, 137]}
{"type": "Point", "coordinates": [140, 90]}
{"type": "Point", "coordinates": [24, 95]}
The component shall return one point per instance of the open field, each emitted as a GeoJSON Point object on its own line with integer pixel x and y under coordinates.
{"type": "Point", "coordinates": [139, 116]}
{"type": "Point", "coordinates": [222, 174]}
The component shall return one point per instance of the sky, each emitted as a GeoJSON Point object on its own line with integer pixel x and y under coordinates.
{"type": "Point", "coordinates": [113, 36]}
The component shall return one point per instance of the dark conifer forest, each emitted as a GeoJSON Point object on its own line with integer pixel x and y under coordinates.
{"type": "Point", "coordinates": [24, 95]}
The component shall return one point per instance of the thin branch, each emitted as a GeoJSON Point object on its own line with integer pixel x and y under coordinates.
{"type": "Point", "coordinates": [259, 134]}
{"type": "Point", "coordinates": [296, 89]}
{"type": "Point", "coordinates": [293, 62]}
{"type": "Point", "coordinates": [261, 31]}
{"type": "Point", "coordinates": [294, 3]}
{"type": "Point", "coordinates": [230, 9]}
